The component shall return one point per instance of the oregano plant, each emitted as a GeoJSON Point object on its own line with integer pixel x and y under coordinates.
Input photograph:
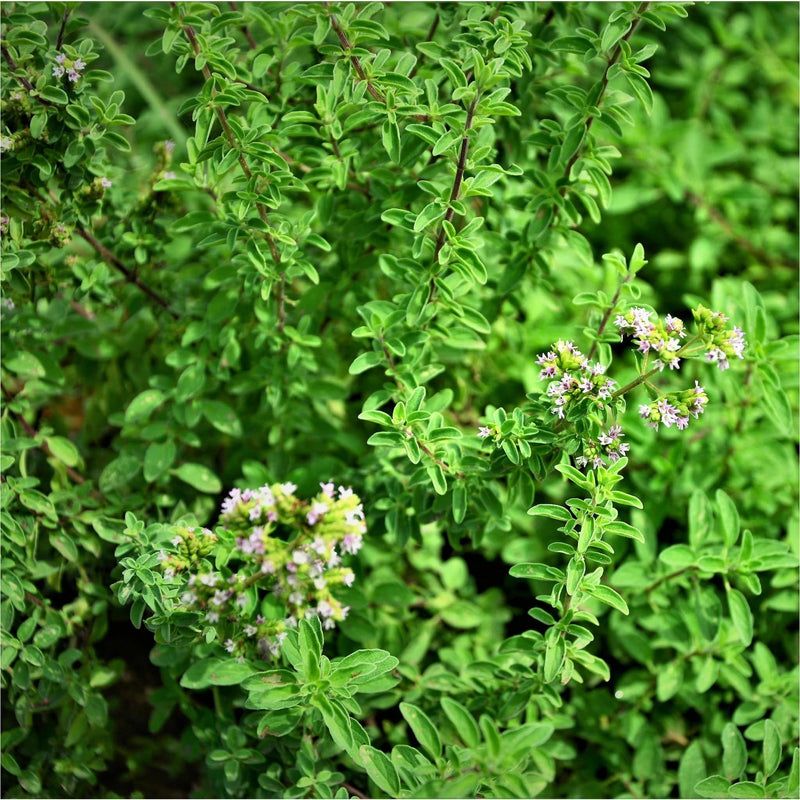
{"type": "Point", "coordinates": [399, 400]}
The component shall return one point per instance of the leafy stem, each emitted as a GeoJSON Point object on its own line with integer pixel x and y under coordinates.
{"type": "Point", "coordinates": [604, 81]}
{"type": "Point", "coordinates": [607, 316]}
{"type": "Point", "coordinates": [22, 79]}
{"type": "Point", "coordinates": [455, 191]}
{"type": "Point", "coordinates": [682, 353]}
{"type": "Point", "coordinates": [354, 60]}
{"type": "Point", "coordinates": [131, 277]}
{"type": "Point", "coordinates": [261, 208]}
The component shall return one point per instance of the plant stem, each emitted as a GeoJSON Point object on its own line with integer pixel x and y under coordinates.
{"type": "Point", "coordinates": [22, 79]}
{"type": "Point", "coordinates": [604, 85]}
{"type": "Point", "coordinates": [455, 191]}
{"type": "Point", "coordinates": [63, 28]}
{"type": "Point", "coordinates": [262, 211]}
{"type": "Point", "coordinates": [109, 257]}
{"type": "Point", "coordinates": [742, 241]}
{"type": "Point", "coordinates": [128, 67]}
{"type": "Point", "coordinates": [250, 40]}
{"type": "Point", "coordinates": [607, 316]}
{"type": "Point", "coordinates": [354, 60]}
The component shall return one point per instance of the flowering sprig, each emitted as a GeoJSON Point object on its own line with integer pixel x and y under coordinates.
{"type": "Point", "coordinates": [662, 337]}
{"type": "Point", "coordinates": [573, 377]}
{"type": "Point", "coordinates": [719, 342]}
{"type": "Point", "coordinates": [577, 384]}
{"type": "Point", "coordinates": [607, 446]}
{"type": "Point", "coordinates": [676, 408]}
{"type": "Point", "coordinates": [73, 68]}
{"type": "Point", "coordinates": [302, 572]}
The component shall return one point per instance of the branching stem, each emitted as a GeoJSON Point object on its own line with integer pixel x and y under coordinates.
{"type": "Point", "coordinates": [262, 211]}
{"type": "Point", "coordinates": [354, 60]}
{"type": "Point", "coordinates": [607, 317]}
{"type": "Point", "coordinates": [604, 81]}
{"type": "Point", "coordinates": [130, 276]}
{"type": "Point", "coordinates": [455, 191]}
{"type": "Point", "coordinates": [22, 79]}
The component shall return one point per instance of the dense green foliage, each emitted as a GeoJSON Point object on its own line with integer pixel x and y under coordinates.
{"type": "Point", "coordinates": [297, 248]}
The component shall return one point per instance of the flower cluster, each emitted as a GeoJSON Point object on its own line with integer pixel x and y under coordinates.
{"type": "Point", "coordinates": [191, 545]}
{"type": "Point", "coordinates": [676, 408]}
{"type": "Point", "coordinates": [72, 68]}
{"type": "Point", "coordinates": [608, 446]}
{"type": "Point", "coordinates": [663, 337]}
{"type": "Point", "coordinates": [720, 343]}
{"type": "Point", "coordinates": [301, 572]}
{"type": "Point", "coordinates": [573, 378]}
{"type": "Point", "coordinates": [6, 143]}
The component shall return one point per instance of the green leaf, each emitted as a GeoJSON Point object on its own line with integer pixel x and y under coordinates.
{"type": "Point", "coordinates": [64, 450]}
{"type": "Point", "coordinates": [199, 477]}
{"type": "Point", "coordinates": [624, 529]}
{"type": "Point", "coordinates": [361, 664]}
{"type": "Point", "coordinates": [365, 361]}
{"type": "Point", "coordinates": [64, 544]}
{"type": "Point", "coordinates": [336, 719]}
{"type": "Point", "coordinates": [446, 141]}
{"type": "Point", "coordinates": [38, 503]}
{"type": "Point", "coordinates": [309, 640]}
{"type": "Point", "coordinates": [678, 556]}
{"type": "Point", "coordinates": [157, 459]}
{"type": "Point", "coordinates": [641, 89]}
{"type": "Point", "coordinates": [386, 439]}
{"type": "Point", "coordinates": [54, 95]}
{"type": "Point", "coordinates": [222, 417]}
{"type": "Point", "coordinates": [691, 770]}
{"type": "Point", "coordinates": [625, 499]}
{"type": "Point", "coordinates": [747, 790]}
{"type": "Point", "coordinates": [576, 569]}
{"type": "Point", "coordinates": [118, 473]}
{"type": "Point", "coordinates": [390, 136]}
{"type": "Point", "coordinates": [793, 783]}
{"type": "Point", "coordinates": [741, 615]}
{"type": "Point", "coordinates": [380, 770]}
{"type": "Point", "coordinates": [378, 417]}
{"type": "Point", "coordinates": [415, 400]}
{"type": "Point", "coordinates": [216, 672]}
{"type": "Point", "coordinates": [607, 595]}
{"type": "Point", "coordinates": [464, 723]}
{"type": "Point", "coordinates": [274, 690]}
{"type": "Point", "coordinates": [554, 655]}
{"type": "Point", "coordinates": [728, 517]}
{"type": "Point", "coordinates": [772, 747]}
{"type": "Point", "coordinates": [572, 474]}
{"type": "Point", "coordinates": [432, 212]}
{"type": "Point", "coordinates": [535, 571]}
{"type": "Point", "coordinates": [734, 752]}
{"type": "Point", "coordinates": [423, 729]}
{"type": "Point", "coordinates": [143, 405]}
{"type": "Point", "coordinates": [436, 474]}
{"type": "Point", "coordinates": [459, 502]}
{"type": "Point", "coordinates": [669, 681]}
{"type": "Point", "coordinates": [708, 611]}
{"type": "Point", "coordinates": [552, 511]}
{"type": "Point", "coordinates": [25, 365]}
{"type": "Point", "coordinates": [190, 382]}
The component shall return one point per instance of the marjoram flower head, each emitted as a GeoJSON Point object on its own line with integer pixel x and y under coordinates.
{"type": "Point", "coordinates": [73, 68]}
{"type": "Point", "coordinates": [573, 378]}
{"type": "Point", "coordinates": [662, 338]}
{"type": "Point", "coordinates": [272, 540]}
